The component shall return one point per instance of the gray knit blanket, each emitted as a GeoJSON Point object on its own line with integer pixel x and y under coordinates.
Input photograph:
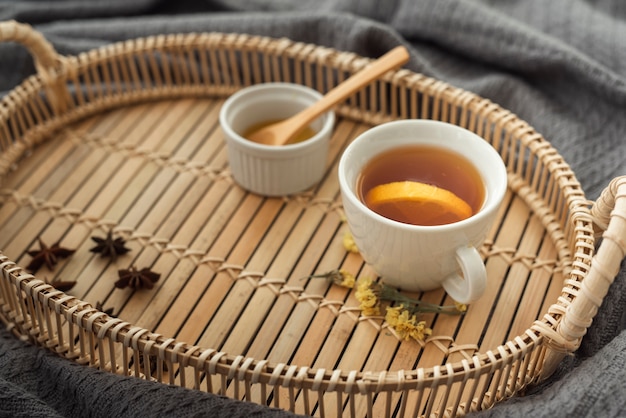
{"type": "Point", "coordinates": [560, 65]}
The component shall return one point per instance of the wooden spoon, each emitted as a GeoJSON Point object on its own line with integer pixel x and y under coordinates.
{"type": "Point", "coordinates": [282, 132]}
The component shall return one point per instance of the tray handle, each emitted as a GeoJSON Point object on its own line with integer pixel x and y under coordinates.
{"type": "Point", "coordinates": [609, 217]}
{"type": "Point", "coordinates": [48, 63]}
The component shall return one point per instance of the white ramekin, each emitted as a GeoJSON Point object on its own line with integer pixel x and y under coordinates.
{"type": "Point", "coordinates": [274, 170]}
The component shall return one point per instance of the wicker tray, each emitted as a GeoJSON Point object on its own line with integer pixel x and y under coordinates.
{"type": "Point", "coordinates": [125, 139]}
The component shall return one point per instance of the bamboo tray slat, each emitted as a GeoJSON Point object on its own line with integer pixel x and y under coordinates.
{"type": "Point", "coordinates": [126, 138]}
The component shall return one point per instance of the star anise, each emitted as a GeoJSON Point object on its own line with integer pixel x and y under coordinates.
{"type": "Point", "coordinates": [137, 279]}
{"type": "Point", "coordinates": [61, 285]}
{"type": "Point", "coordinates": [108, 311]}
{"type": "Point", "coordinates": [47, 255]}
{"type": "Point", "coordinates": [109, 246]}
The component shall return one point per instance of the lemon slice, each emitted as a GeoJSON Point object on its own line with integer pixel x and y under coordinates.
{"type": "Point", "coordinates": [417, 203]}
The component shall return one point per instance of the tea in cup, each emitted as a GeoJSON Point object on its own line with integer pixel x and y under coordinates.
{"type": "Point", "coordinates": [420, 197]}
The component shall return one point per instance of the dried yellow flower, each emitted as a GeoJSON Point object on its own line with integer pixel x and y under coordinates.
{"type": "Point", "coordinates": [405, 324]}
{"type": "Point", "coordinates": [367, 297]}
{"type": "Point", "coordinates": [347, 279]}
{"type": "Point", "coordinates": [348, 243]}
{"type": "Point", "coordinates": [392, 315]}
{"type": "Point", "coordinates": [461, 307]}
{"type": "Point", "coordinates": [421, 331]}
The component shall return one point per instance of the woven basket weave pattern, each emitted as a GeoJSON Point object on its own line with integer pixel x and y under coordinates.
{"type": "Point", "coordinates": [83, 102]}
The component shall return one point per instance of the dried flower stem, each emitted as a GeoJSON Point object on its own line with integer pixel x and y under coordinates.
{"type": "Point", "coordinates": [339, 277]}
{"type": "Point", "coordinates": [401, 313]}
{"type": "Point", "coordinates": [415, 305]}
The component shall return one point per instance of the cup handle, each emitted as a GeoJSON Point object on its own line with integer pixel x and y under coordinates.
{"type": "Point", "coordinates": [472, 285]}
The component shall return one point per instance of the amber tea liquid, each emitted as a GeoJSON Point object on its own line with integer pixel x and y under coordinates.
{"type": "Point", "coordinates": [426, 164]}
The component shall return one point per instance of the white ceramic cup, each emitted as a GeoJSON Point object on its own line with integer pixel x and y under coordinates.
{"type": "Point", "coordinates": [274, 170]}
{"type": "Point", "coordinates": [414, 257]}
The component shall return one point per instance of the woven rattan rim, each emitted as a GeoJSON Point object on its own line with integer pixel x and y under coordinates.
{"type": "Point", "coordinates": [71, 88]}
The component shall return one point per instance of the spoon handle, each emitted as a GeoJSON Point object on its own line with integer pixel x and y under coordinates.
{"type": "Point", "coordinates": [392, 59]}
